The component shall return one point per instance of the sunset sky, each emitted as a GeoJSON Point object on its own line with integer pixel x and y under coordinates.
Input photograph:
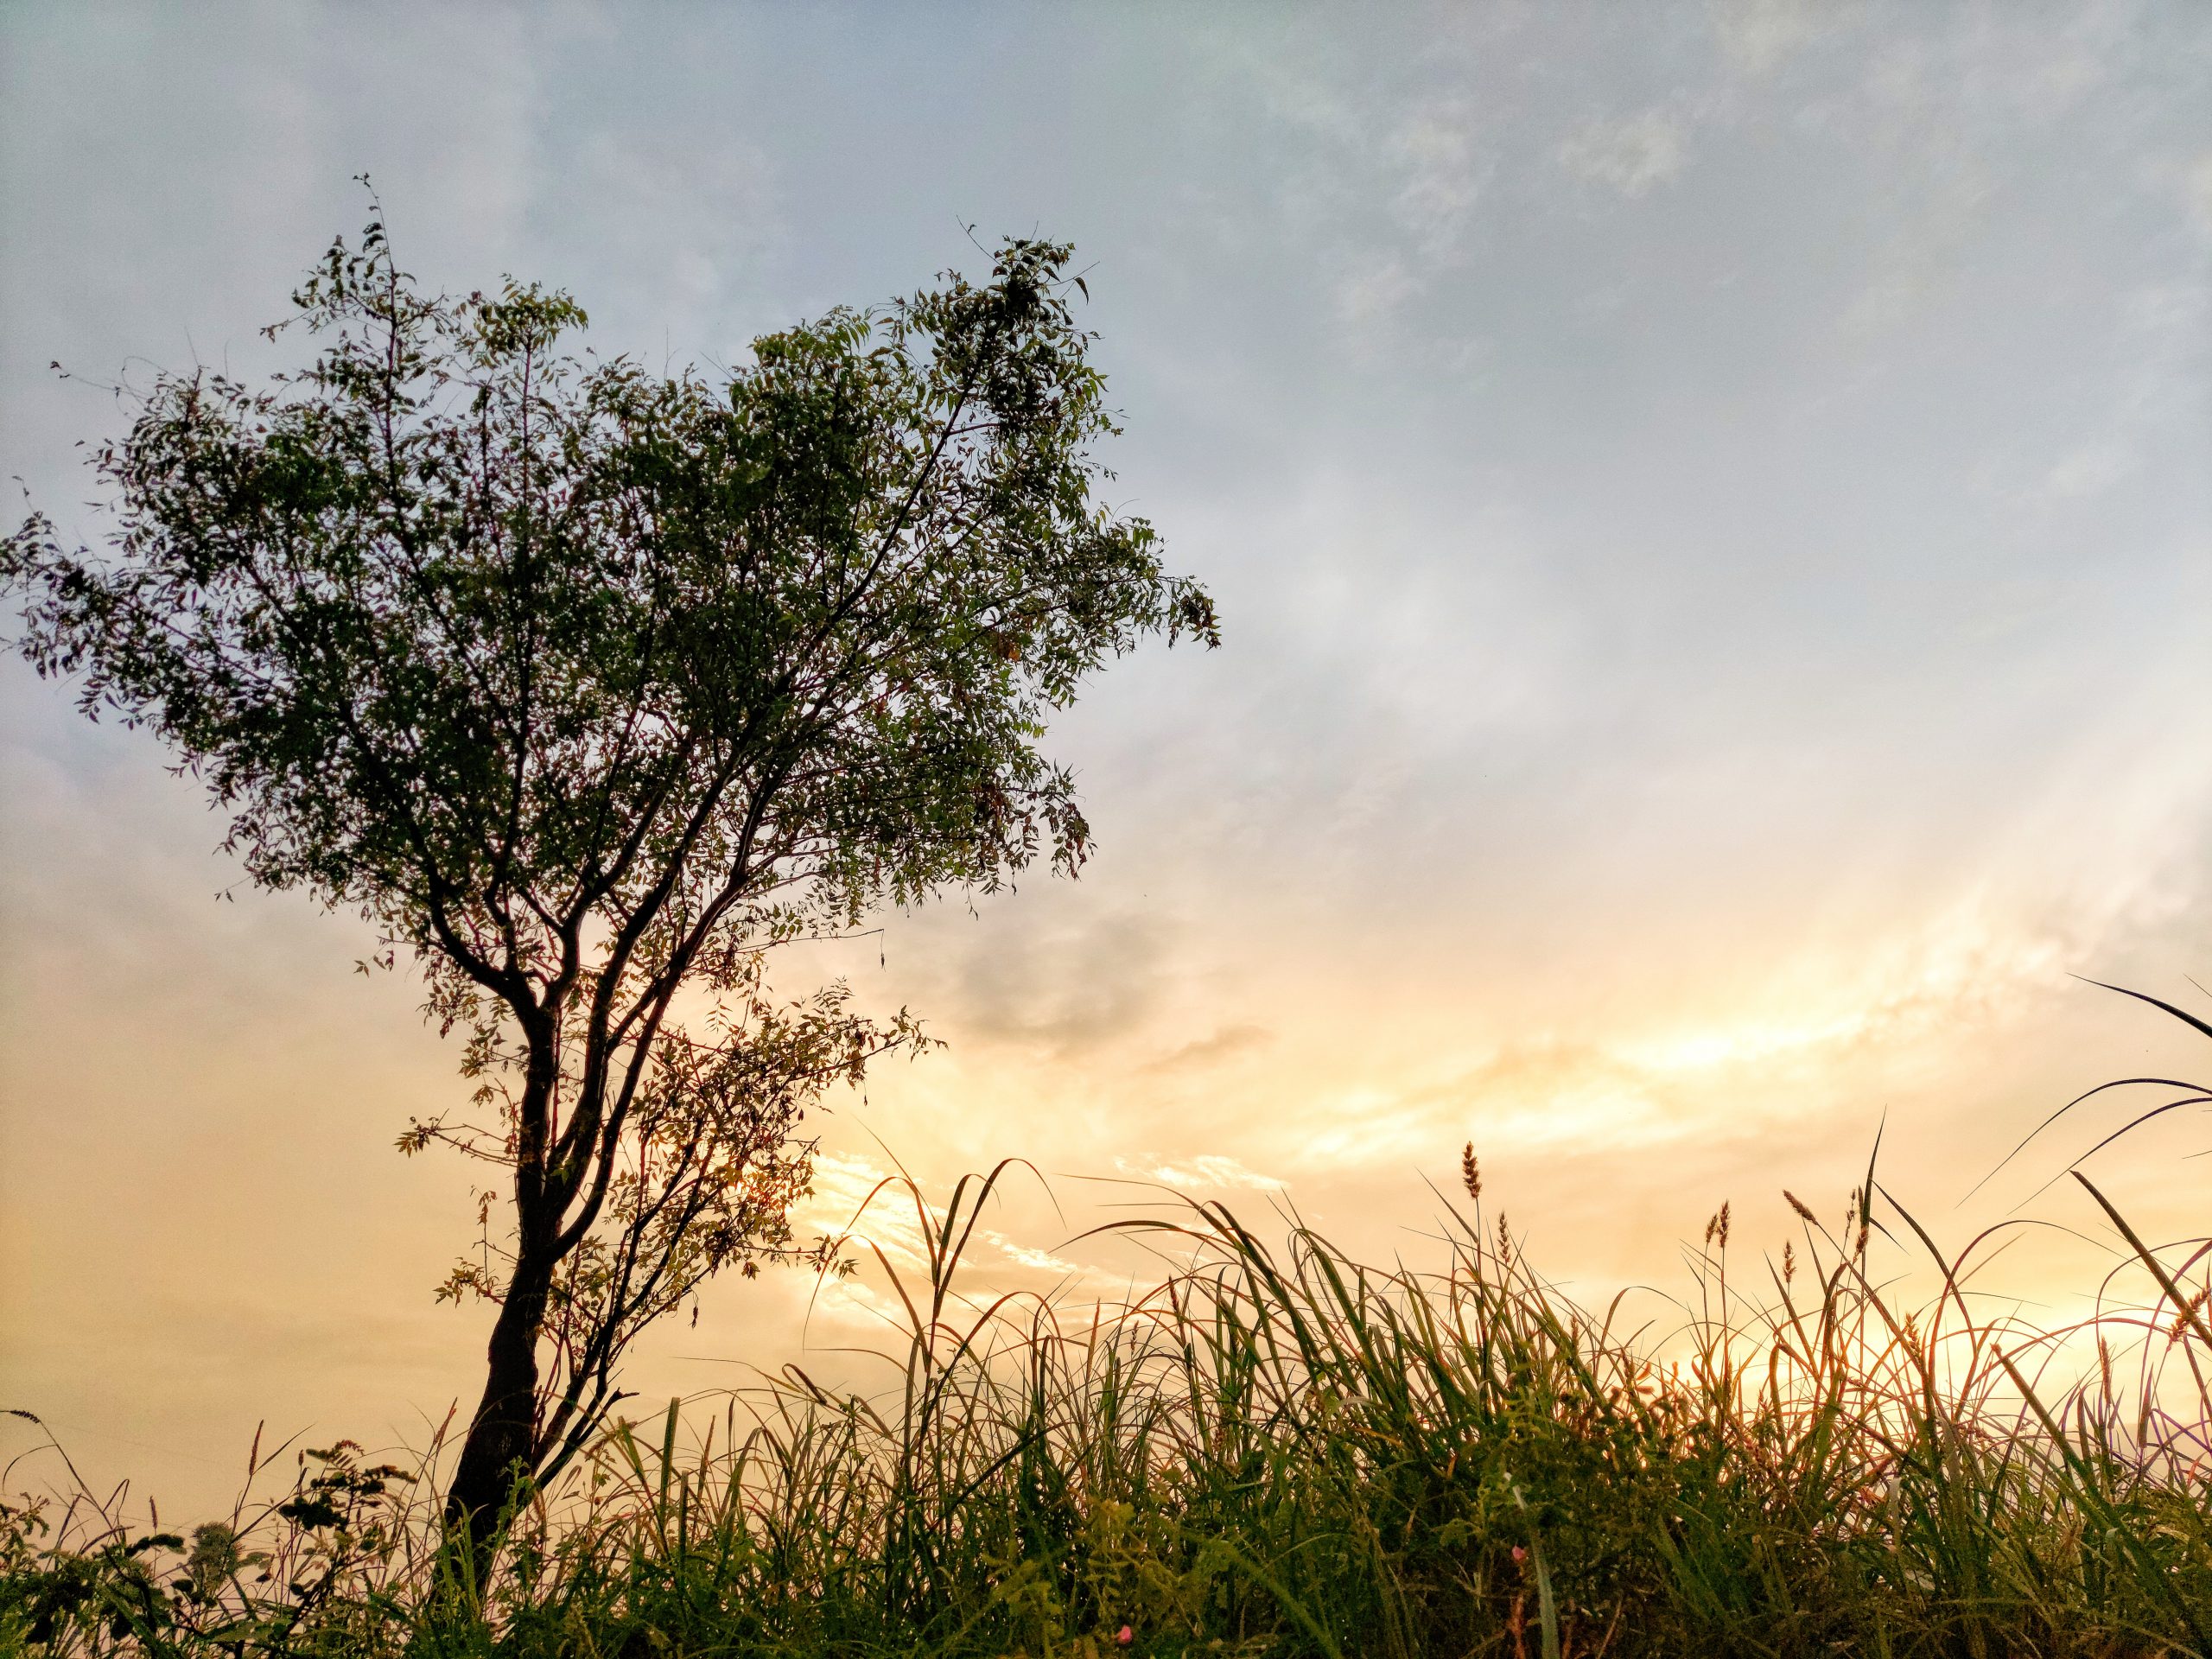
{"type": "Point", "coordinates": [1710, 514]}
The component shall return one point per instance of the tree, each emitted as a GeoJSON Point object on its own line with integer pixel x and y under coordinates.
{"type": "Point", "coordinates": [588, 687]}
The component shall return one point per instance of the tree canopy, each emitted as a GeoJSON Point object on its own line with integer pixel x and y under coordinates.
{"type": "Point", "coordinates": [586, 685]}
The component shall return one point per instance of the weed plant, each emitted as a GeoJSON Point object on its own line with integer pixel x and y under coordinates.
{"type": "Point", "coordinates": [1280, 1451]}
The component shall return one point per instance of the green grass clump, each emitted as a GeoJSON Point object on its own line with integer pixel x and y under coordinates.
{"type": "Point", "coordinates": [1280, 1451]}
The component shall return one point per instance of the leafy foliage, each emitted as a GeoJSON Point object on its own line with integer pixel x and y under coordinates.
{"type": "Point", "coordinates": [587, 686]}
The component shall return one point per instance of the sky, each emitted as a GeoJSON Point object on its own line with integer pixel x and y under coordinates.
{"type": "Point", "coordinates": [1710, 513]}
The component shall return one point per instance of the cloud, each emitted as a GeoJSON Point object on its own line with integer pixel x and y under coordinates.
{"type": "Point", "coordinates": [1041, 1260]}
{"type": "Point", "coordinates": [1223, 1045]}
{"type": "Point", "coordinates": [1206, 1170]}
{"type": "Point", "coordinates": [1072, 989]}
{"type": "Point", "coordinates": [1757, 35]}
{"type": "Point", "coordinates": [1832, 1021]}
{"type": "Point", "coordinates": [2088, 471]}
{"type": "Point", "coordinates": [846, 1203]}
{"type": "Point", "coordinates": [708, 217]}
{"type": "Point", "coordinates": [1430, 170]}
{"type": "Point", "coordinates": [1630, 155]}
{"type": "Point", "coordinates": [1443, 173]}
{"type": "Point", "coordinates": [1377, 285]}
{"type": "Point", "coordinates": [2196, 192]}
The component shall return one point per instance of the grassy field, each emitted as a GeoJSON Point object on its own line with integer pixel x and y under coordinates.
{"type": "Point", "coordinates": [1280, 1451]}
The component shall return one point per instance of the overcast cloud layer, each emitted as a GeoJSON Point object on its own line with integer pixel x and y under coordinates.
{"type": "Point", "coordinates": [1709, 506]}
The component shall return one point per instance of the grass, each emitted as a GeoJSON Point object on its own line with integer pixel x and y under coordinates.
{"type": "Point", "coordinates": [1281, 1450]}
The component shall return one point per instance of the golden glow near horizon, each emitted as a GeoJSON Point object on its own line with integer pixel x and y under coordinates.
{"type": "Point", "coordinates": [1710, 518]}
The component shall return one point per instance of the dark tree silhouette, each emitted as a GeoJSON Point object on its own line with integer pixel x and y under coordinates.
{"type": "Point", "coordinates": [587, 686]}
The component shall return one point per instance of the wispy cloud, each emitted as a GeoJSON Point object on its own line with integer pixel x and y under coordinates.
{"type": "Point", "coordinates": [1202, 1171]}
{"type": "Point", "coordinates": [858, 1200]}
{"type": "Point", "coordinates": [1632, 155]}
{"type": "Point", "coordinates": [2196, 192]}
{"type": "Point", "coordinates": [712, 215]}
{"type": "Point", "coordinates": [1759, 35]}
{"type": "Point", "coordinates": [1442, 167]}
{"type": "Point", "coordinates": [1374, 288]}
{"type": "Point", "coordinates": [1225, 1044]}
{"type": "Point", "coordinates": [1069, 985]}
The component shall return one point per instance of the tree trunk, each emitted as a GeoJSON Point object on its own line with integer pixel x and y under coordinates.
{"type": "Point", "coordinates": [499, 1449]}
